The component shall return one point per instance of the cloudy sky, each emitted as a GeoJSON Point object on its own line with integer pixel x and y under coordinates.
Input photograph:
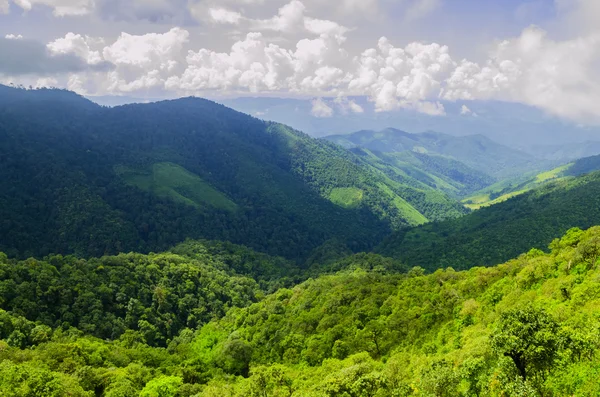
{"type": "Point", "coordinates": [410, 54]}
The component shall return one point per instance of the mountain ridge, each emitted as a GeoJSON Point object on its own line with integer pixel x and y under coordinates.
{"type": "Point", "coordinates": [291, 191]}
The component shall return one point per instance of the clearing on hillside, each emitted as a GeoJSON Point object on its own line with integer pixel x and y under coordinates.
{"type": "Point", "coordinates": [172, 181]}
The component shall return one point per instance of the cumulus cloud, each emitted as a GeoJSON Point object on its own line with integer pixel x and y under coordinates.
{"type": "Point", "coordinates": [321, 109]}
{"type": "Point", "coordinates": [222, 15]}
{"type": "Point", "coordinates": [25, 57]}
{"type": "Point", "coordinates": [289, 18]}
{"type": "Point", "coordinates": [559, 76]}
{"type": "Point", "coordinates": [346, 105]}
{"type": "Point", "coordinates": [13, 37]}
{"type": "Point", "coordinates": [402, 77]}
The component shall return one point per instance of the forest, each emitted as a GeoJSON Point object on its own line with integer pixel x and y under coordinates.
{"type": "Point", "coordinates": [145, 177]}
{"type": "Point", "coordinates": [182, 249]}
{"type": "Point", "coordinates": [494, 234]}
{"type": "Point", "coordinates": [195, 324]}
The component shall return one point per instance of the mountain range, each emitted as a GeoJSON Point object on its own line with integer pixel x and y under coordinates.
{"type": "Point", "coordinates": [91, 180]}
{"type": "Point", "coordinates": [475, 151]}
{"type": "Point", "coordinates": [271, 263]}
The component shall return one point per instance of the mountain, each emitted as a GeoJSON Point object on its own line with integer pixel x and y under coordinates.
{"type": "Point", "coordinates": [427, 171]}
{"type": "Point", "coordinates": [85, 179]}
{"type": "Point", "coordinates": [475, 151]}
{"type": "Point", "coordinates": [496, 233]}
{"type": "Point", "coordinates": [188, 324]}
{"type": "Point", "coordinates": [565, 152]}
{"type": "Point", "coordinates": [507, 188]}
{"type": "Point", "coordinates": [515, 125]}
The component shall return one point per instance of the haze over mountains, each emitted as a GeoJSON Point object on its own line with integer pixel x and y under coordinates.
{"type": "Point", "coordinates": [476, 151]}
{"type": "Point", "coordinates": [515, 125]}
{"type": "Point", "coordinates": [512, 124]}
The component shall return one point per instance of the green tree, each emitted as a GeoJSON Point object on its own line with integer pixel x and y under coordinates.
{"type": "Point", "coordinates": [531, 338]}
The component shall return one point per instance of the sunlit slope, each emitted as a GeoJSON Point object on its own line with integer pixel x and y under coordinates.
{"type": "Point", "coordinates": [80, 178]}
{"type": "Point", "coordinates": [494, 234]}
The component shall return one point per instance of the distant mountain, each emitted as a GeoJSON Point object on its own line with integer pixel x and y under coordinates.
{"type": "Point", "coordinates": [494, 234]}
{"type": "Point", "coordinates": [85, 179]}
{"type": "Point", "coordinates": [565, 152]}
{"type": "Point", "coordinates": [515, 125]}
{"type": "Point", "coordinates": [475, 151]}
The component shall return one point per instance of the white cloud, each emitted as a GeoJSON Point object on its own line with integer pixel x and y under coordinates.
{"type": "Point", "coordinates": [75, 44]}
{"type": "Point", "coordinates": [13, 37]}
{"type": "Point", "coordinates": [289, 18]}
{"type": "Point", "coordinates": [4, 7]}
{"type": "Point", "coordinates": [348, 105]}
{"type": "Point", "coordinates": [222, 15]}
{"type": "Point", "coordinates": [313, 59]}
{"type": "Point", "coordinates": [321, 109]}
{"type": "Point", "coordinates": [46, 82]}
{"type": "Point", "coordinates": [402, 77]}
{"type": "Point", "coordinates": [466, 111]}
{"type": "Point", "coordinates": [560, 77]}
{"type": "Point", "coordinates": [60, 8]}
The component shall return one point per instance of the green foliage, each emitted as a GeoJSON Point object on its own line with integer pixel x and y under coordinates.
{"type": "Point", "coordinates": [172, 181]}
{"type": "Point", "coordinates": [346, 197]}
{"type": "Point", "coordinates": [154, 296]}
{"type": "Point", "coordinates": [530, 338]}
{"type": "Point", "coordinates": [366, 330]}
{"type": "Point", "coordinates": [476, 152]}
{"type": "Point", "coordinates": [164, 386]}
{"type": "Point", "coordinates": [494, 234]}
{"type": "Point", "coordinates": [145, 177]}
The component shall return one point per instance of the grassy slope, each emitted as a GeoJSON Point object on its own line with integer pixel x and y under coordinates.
{"type": "Point", "coordinates": [175, 182]}
{"type": "Point", "coordinates": [506, 189]}
{"type": "Point", "coordinates": [493, 234]}
{"type": "Point", "coordinates": [191, 168]}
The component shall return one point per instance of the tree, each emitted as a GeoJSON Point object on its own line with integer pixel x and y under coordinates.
{"type": "Point", "coordinates": [164, 386]}
{"type": "Point", "coordinates": [531, 338]}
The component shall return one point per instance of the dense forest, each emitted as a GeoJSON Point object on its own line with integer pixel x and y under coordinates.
{"type": "Point", "coordinates": [511, 187]}
{"type": "Point", "coordinates": [494, 234]}
{"type": "Point", "coordinates": [191, 325]}
{"type": "Point", "coordinates": [182, 249]}
{"type": "Point", "coordinates": [80, 178]}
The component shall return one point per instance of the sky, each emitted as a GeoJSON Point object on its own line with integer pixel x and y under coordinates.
{"type": "Point", "coordinates": [415, 55]}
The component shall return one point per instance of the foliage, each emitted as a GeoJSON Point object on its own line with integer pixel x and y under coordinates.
{"type": "Point", "coordinates": [475, 152]}
{"type": "Point", "coordinates": [528, 327]}
{"type": "Point", "coordinates": [494, 234]}
{"type": "Point", "coordinates": [144, 177]}
{"type": "Point", "coordinates": [149, 298]}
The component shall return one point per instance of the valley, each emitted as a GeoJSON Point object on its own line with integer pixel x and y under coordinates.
{"type": "Point", "coordinates": [180, 248]}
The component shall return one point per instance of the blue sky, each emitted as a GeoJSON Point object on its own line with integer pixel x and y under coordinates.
{"type": "Point", "coordinates": [414, 55]}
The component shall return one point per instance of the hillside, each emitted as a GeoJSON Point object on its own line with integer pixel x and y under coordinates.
{"type": "Point", "coordinates": [527, 327]}
{"type": "Point", "coordinates": [84, 179]}
{"type": "Point", "coordinates": [427, 171]}
{"type": "Point", "coordinates": [505, 189]}
{"type": "Point", "coordinates": [494, 234]}
{"type": "Point", "coordinates": [475, 151]}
